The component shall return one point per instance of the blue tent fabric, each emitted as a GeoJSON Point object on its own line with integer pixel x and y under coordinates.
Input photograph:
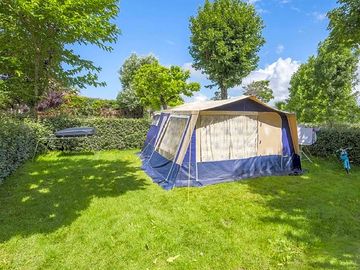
{"type": "Point", "coordinates": [168, 174]}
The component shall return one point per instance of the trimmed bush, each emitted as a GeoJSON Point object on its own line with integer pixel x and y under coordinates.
{"type": "Point", "coordinates": [18, 138]}
{"type": "Point", "coordinates": [17, 143]}
{"type": "Point", "coordinates": [332, 139]}
{"type": "Point", "coordinates": [111, 133]}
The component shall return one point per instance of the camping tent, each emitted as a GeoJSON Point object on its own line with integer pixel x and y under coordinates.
{"type": "Point", "coordinates": [209, 142]}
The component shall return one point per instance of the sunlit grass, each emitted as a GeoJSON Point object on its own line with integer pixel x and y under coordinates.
{"type": "Point", "coordinates": [100, 211]}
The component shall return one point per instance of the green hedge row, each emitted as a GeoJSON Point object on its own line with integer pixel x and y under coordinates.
{"type": "Point", "coordinates": [111, 133]}
{"type": "Point", "coordinates": [17, 143]}
{"type": "Point", "coordinates": [332, 139]}
{"type": "Point", "coordinates": [18, 137]}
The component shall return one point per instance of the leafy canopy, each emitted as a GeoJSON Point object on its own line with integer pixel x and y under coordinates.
{"type": "Point", "coordinates": [127, 99]}
{"type": "Point", "coordinates": [321, 91]}
{"type": "Point", "coordinates": [345, 22]}
{"type": "Point", "coordinates": [159, 87]}
{"type": "Point", "coordinates": [225, 39]}
{"type": "Point", "coordinates": [260, 89]}
{"type": "Point", "coordinates": [34, 40]}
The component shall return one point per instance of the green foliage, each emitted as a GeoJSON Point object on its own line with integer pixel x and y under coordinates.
{"type": "Point", "coordinates": [225, 39]}
{"type": "Point", "coordinates": [111, 133]}
{"type": "Point", "coordinates": [127, 99]}
{"type": "Point", "coordinates": [260, 89]}
{"type": "Point", "coordinates": [77, 105]}
{"type": "Point", "coordinates": [17, 143]}
{"type": "Point", "coordinates": [130, 104]}
{"type": "Point", "coordinates": [321, 91]}
{"type": "Point", "coordinates": [101, 211]}
{"type": "Point", "coordinates": [18, 138]}
{"type": "Point", "coordinates": [332, 139]}
{"type": "Point", "coordinates": [158, 86]}
{"type": "Point", "coordinates": [131, 66]}
{"type": "Point", "coordinates": [345, 22]}
{"type": "Point", "coordinates": [34, 41]}
{"type": "Point", "coordinates": [281, 105]}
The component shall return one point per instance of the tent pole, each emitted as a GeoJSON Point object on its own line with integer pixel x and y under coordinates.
{"type": "Point", "coordinates": [188, 193]}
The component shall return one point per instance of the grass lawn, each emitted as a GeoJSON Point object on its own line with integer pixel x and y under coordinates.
{"type": "Point", "coordinates": [100, 211]}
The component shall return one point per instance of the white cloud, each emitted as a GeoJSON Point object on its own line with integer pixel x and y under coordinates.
{"type": "Point", "coordinates": [278, 73]}
{"type": "Point", "coordinates": [195, 74]}
{"type": "Point", "coordinates": [199, 97]}
{"type": "Point", "coordinates": [319, 16]}
{"type": "Point", "coordinates": [280, 48]}
{"type": "Point", "coordinates": [252, 1]}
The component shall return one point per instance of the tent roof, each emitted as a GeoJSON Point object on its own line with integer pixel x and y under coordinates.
{"type": "Point", "coordinates": [212, 104]}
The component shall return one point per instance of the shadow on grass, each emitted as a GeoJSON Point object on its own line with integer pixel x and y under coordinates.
{"type": "Point", "coordinates": [322, 211]}
{"type": "Point", "coordinates": [50, 193]}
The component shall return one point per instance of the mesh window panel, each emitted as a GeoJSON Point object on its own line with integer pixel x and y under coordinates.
{"type": "Point", "coordinates": [224, 137]}
{"type": "Point", "coordinates": [172, 136]}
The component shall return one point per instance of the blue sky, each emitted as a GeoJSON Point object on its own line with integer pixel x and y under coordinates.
{"type": "Point", "coordinates": [293, 29]}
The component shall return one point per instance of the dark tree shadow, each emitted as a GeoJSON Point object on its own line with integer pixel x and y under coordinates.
{"type": "Point", "coordinates": [45, 195]}
{"type": "Point", "coordinates": [322, 208]}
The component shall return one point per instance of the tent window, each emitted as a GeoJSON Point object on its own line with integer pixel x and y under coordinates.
{"type": "Point", "coordinates": [171, 139]}
{"type": "Point", "coordinates": [224, 137]}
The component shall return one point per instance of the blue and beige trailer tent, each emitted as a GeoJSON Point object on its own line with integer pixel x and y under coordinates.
{"type": "Point", "coordinates": [198, 144]}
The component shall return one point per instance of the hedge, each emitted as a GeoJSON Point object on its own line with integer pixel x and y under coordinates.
{"type": "Point", "coordinates": [17, 143]}
{"type": "Point", "coordinates": [111, 133]}
{"type": "Point", "coordinates": [332, 139]}
{"type": "Point", "coordinates": [18, 137]}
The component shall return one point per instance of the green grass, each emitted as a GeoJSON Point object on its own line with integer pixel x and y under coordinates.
{"type": "Point", "coordinates": [100, 211]}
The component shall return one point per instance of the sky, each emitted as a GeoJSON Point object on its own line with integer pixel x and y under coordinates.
{"type": "Point", "coordinates": [293, 29]}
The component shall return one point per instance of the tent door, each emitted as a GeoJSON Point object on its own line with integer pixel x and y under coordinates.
{"type": "Point", "coordinates": [269, 134]}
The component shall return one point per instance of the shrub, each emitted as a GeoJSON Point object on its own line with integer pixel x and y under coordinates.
{"type": "Point", "coordinates": [112, 133]}
{"type": "Point", "coordinates": [18, 137]}
{"type": "Point", "coordinates": [17, 143]}
{"type": "Point", "coordinates": [332, 139]}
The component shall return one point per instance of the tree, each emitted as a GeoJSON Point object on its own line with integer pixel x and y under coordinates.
{"type": "Point", "coordinates": [35, 38]}
{"type": "Point", "coordinates": [345, 22]}
{"type": "Point", "coordinates": [281, 105]}
{"type": "Point", "coordinates": [127, 99]}
{"type": "Point", "coordinates": [260, 89]}
{"type": "Point", "coordinates": [159, 87]}
{"type": "Point", "coordinates": [217, 95]}
{"type": "Point", "coordinates": [131, 66]}
{"type": "Point", "coordinates": [130, 104]}
{"type": "Point", "coordinates": [321, 91]}
{"type": "Point", "coordinates": [225, 39]}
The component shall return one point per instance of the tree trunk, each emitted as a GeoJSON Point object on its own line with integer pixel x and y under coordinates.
{"type": "Point", "coordinates": [163, 103]}
{"type": "Point", "coordinates": [223, 92]}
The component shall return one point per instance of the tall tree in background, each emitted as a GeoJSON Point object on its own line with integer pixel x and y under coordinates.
{"type": "Point", "coordinates": [127, 99]}
{"type": "Point", "coordinates": [321, 91]}
{"type": "Point", "coordinates": [345, 22]}
{"type": "Point", "coordinates": [159, 87]}
{"type": "Point", "coordinates": [225, 39]}
{"type": "Point", "coordinates": [34, 41]}
{"type": "Point", "coordinates": [260, 89]}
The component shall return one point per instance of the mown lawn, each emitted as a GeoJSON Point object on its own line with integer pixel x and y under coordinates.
{"type": "Point", "coordinates": [100, 211]}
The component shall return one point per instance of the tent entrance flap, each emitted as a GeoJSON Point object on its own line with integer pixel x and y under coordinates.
{"type": "Point", "coordinates": [270, 134]}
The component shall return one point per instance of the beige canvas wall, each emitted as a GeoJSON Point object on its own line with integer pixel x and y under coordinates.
{"type": "Point", "coordinates": [269, 134]}
{"type": "Point", "coordinates": [226, 137]}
